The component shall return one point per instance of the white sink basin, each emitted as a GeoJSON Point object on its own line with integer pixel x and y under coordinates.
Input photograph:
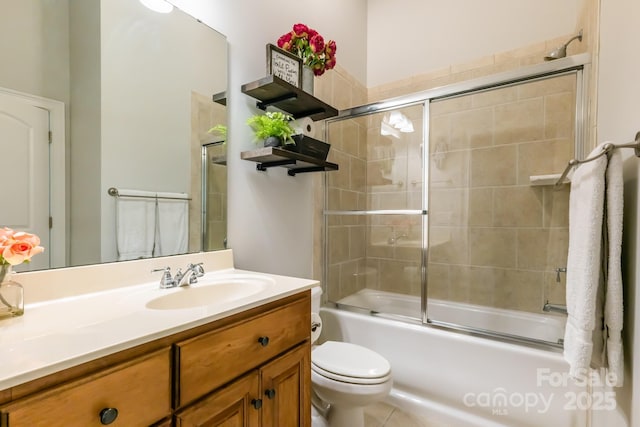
{"type": "Point", "coordinates": [211, 292]}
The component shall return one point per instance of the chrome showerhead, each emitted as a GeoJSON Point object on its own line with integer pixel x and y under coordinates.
{"type": "Point", "coordinates": [561, 52]}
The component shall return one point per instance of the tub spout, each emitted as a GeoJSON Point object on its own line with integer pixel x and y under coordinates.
{"type": "Point", "coordinates": [558, 308]}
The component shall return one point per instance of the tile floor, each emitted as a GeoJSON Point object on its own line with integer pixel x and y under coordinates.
{"type": "Point", "coordinates": [385, 415]}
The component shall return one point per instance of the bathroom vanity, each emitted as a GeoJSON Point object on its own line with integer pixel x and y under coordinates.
{"type": "Point", "coordinates": [243, 363]}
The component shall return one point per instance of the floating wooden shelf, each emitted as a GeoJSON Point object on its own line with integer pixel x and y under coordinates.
{"type": "Point", "coordinates": [273, 91]}
{"type": "Point", "coordinates": [269, 157]}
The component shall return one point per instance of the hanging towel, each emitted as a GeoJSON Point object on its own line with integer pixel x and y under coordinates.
{"type": "Point", "coordinates": [586, 208]}
{"type": "Point", "coordinates": [594, 279]}
{"type": "Point", "coordinates": [172, 235]}
{"type": "Point", "coordinates": [135, 225]}
{"type": "Point", "coordinates": [613, 304]}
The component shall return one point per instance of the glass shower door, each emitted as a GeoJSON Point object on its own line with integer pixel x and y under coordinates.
{"type": "Point", "coordinates": [374, 212]}
{"type": "Point", "coordinates": [498, 241]}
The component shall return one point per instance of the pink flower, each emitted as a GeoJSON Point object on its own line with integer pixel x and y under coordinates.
{"type": "Point", "coordinates": [307, 44]}
{"type": "Point", "coordinates": [284, 42]}
{"type": "Point", "coordinates": [16, 248]}
{"type": "Point", "coordinates": [330, 48]}
{"type": "Point", "coordinates": [5, 232]}
{"type": "Point", "coordinates": [300, 30]}
{"type": "Point", "coordinates": [330, 63]}
{"type": "Point", "coordinates": [317, 43]}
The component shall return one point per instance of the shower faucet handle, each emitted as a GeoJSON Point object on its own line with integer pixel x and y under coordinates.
{"type": "Point", "coordinates": [558, 271]}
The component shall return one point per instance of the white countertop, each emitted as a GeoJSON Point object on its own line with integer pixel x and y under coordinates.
{"type": "Point", "coordinates": [60, 333]}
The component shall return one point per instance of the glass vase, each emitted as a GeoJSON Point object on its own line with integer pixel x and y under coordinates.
{"type": "Point", "coordinates": [11, 294]}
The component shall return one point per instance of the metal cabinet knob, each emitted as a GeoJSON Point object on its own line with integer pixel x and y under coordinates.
{"type": "Point", "coordinates": [256, 403]}
{"type": "Point", "coordinates": [264, 341]}
{"type": "Point", "coordinates": [270, 393]}
{"type": "Point", "coordinates": [108, 415]}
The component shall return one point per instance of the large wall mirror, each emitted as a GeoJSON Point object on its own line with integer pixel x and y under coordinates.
{"type": "Point", "coordinates": [109, 94]}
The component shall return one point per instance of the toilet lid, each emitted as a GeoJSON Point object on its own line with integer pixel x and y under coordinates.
{"type": "Point", "coordinates": [350, 360]}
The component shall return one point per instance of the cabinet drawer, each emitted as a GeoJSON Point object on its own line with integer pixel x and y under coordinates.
{"type": "Point", "coordinates": [213, 359]}
{"type": "Point", "coordinates": [139, 390]}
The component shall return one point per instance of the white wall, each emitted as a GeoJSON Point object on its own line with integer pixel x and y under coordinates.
{"type": "Point", "coordinates": [270, 213]}
{"type": "Point", "coordinates": [618, 121]}
{"type": "Point", "coordinates": [408, 37]}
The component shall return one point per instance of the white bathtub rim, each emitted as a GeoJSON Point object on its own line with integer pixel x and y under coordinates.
{"type": "Point", "coordinates": [550, 353]}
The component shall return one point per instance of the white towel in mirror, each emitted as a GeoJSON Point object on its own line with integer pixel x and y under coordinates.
{"type": "Point", "coordinates": [135, 225]}
{"type": "Point", "coordinates": [172, 234]}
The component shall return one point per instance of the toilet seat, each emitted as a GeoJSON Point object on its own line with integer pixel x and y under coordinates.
{"type": "Point", "coordinates": [350, 363]}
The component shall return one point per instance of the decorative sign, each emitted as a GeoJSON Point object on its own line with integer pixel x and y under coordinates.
{"type": "Point", "coordinates": [285, 65]}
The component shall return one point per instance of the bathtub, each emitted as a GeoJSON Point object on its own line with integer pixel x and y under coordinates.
{"type": "Point", "coordinates": [461, 380]}
{"type": "Point", "coordinates": [548, 327]}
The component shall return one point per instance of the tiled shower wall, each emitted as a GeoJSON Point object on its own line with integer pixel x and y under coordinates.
{"type": "Point", "coordinates": [518, 271]}
{"type": "Point", "coordinates": [495, 239]}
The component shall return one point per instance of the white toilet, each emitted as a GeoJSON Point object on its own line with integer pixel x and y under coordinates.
{"type": "Point", "coordinates": [346, 376]}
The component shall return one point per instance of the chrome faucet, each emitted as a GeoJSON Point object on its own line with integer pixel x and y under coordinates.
{"type": "Point", "coordinates": [189, 277]}
{"type": "Point", "coordinates": [558, 308]}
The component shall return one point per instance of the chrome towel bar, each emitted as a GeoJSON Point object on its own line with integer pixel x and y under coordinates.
{"type": "Point", "coordinates": [606, 149]}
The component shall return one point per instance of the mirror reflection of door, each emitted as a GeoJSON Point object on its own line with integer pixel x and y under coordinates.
{"type": "Point", "coordinates": [24, 174]}
{"type": "Point", "coordinates": [214, 185]}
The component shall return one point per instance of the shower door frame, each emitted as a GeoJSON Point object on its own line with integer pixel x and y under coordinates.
{"type": "Point", "coordinates": [576, 64]}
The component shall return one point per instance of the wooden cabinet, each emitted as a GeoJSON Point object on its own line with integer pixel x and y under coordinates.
{"type": "Point", "coordinates": [210, 360]}
{"type": "Point", "coordinates": [136, 393]}
{"type": "Point", "coordinates": [286, 389]}
{"type": "Point", "coordinates": [276, 395]}
{"type": "Point", "coordinates": [237, 404]}
{"type": "Point", "coordinates": [249, 369]}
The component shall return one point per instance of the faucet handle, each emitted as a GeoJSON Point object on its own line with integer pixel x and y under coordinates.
{"type": "Point", "coordinates": [198, 269]}
{"type": "Point", "coordinates": [166, 281]}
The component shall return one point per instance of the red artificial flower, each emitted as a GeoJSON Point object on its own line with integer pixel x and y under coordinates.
{"type": "Point", "coordinates": [316, 43]}
{"type": "Point", "coordinates": [310, 46]}
{"type": "Point", "coordinates": [301, 30]}
{"type": "Point", "coordinates": [284, 42]}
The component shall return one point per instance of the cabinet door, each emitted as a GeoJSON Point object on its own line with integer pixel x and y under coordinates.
{"type": "Point", "coordinates": [236, 405]}
{"type": "Point", "coordinates": [135, 393]}
{"type": "Point", "coordinates": [286, 389]}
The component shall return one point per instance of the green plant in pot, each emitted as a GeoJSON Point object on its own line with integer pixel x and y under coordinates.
{"type": "Point", "coordinates": [273, 128]}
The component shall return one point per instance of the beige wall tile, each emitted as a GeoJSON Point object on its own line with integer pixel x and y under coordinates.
{"type": "Point", "coordinates": [550, 86]}
{"type": "Point", "coordinates": [338, 244]}
{"type": "Point", "coordinates": [480, 207]}
{"type": "Point", "coordinates": [438, 281]}
{"type": "Point", "coordinates": [481, 282]}
{"type": "Point", "coordinates": [493, 166]}
{"type": "Point", "coordinates": [519, 290]}
{"type": "Point", "coordinates": [542, 158]}
{"type": "Point", "coordinates": [533, 248]}
{"type": "Point", "coordinates": [556, 206]}
{"type": "Point", "coordinates": [517, 207]}
{"type": "Point", "coordinates": [492, 247]}
{"type": "Point", "coordinates": [519, 121]}
{"type": "Point", "coordinates": [559, 111]}
{"type": "Point", "coordinates": [471, 129]}
{"type": "Point", "coordinates": [448, 245]}
{"type": "Point", "coordinates": [448, 207]}
{"type": "Point", "coordinates": [495, 97]}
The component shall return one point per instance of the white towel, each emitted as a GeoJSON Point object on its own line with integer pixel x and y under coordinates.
{"type": "Point", "coordinates": [172, 235]}
{"type": "Point", "coordinates": [594, 286]}
{"type": "Point", "coordinates": [613, 306]}
{"type": "Point", "coordinates": [586, 203]}
{"type": "Point", "coordinates": [135, 226]}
